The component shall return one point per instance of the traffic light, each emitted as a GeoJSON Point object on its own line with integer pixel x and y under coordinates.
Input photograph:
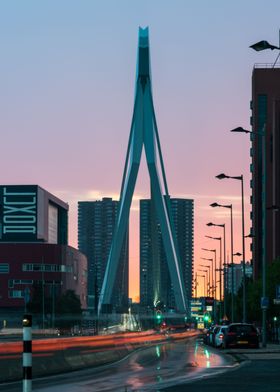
{"type": "Point", "coordinates": [207, 318]}
{"type": "Point", "coordinates": [158, 315]}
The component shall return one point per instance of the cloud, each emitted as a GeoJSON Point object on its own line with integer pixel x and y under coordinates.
{"type": "Point", "coordinates": [197, 196]}
{"type": "Point", "coordinates": [72, 197]}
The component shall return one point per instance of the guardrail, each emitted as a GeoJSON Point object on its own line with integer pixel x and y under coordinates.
{"type": "Point", "coordinates": [60, 355]}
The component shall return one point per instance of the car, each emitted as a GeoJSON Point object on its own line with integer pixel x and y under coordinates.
{"type": "Point", "coordinates": [242, 335]}
{"type": "Point", "coordinates": [220, 335]}
{"type": "Point", "coordinates": [213, 334]}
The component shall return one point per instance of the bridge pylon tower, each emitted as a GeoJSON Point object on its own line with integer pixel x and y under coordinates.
{"type": "Point", "coordinates": [144, 133]}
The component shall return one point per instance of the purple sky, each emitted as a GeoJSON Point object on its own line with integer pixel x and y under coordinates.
{"type": "Point", "coordinates": [67, 87]}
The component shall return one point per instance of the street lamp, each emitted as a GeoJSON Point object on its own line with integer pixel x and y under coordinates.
{"type": "Point", "coordinates": [212, 287]}
{"type": "Point", "coordinates": [229, 206]}
{"type": "Point", "coordinates": [202, 276]}
{"type": "Point", "coordinates": [208, 277]}
{"type": "Point", "coordinates": [220, 272]}
{"type": "Point", "coordinates": [220, 267]}
{"type": "Point", "coordinates": [224, 230]}
{"type": "Point", "coordinates": [264, 45]}
{"type": "Point", "coordinates": [215, 280]}
{"type": "Point", "coordinates": [263, 300]}
{"type": "Point", "coordinates": [240, 178]}
{"type": "Point", "coordinates": [213, 270]}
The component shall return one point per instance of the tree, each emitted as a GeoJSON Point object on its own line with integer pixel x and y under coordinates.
{"type": "Point", "coordinates": [68, 310]}
{"type": "Point", "coordinates": [273, 280]}
{"type": "Point", "coordinates": [254, 294]}
{"type": "Point", "coordinates": [35, 305]}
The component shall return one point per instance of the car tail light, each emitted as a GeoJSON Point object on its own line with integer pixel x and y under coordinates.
{"type": "Point", "coordinates": [221, 336]}
{"type": "Point", "coordinates": [231, 334]}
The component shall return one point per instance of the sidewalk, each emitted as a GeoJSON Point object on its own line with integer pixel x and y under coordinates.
{"type": "Point", "coordinates": [271, 351]}
{"type": "Point", "coordinates": [270, 347]}
{"type": "Point", "coordinates": [257, 370]}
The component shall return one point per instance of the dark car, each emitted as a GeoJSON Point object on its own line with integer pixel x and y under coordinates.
{"type": "Point", "coordinates": [240, 334]}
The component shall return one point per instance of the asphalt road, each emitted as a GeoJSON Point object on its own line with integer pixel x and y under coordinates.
{"type": "Point", "coordinates": [258, 375]}
{"type": "Point", "coordinates": [150, 369]}
{"type": "Point", "coordinates": [173, 367]}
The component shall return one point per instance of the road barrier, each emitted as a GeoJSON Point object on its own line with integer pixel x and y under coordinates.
{"type": "Point", "coordinates": [60, 355]}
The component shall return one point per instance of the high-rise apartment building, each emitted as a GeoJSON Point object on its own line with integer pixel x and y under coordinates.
{"type": "Point", "coordinates": [265, 107]}
{"type": "Point", "coordinates": [155, 282]}
{"type": "Point", "coordinates": [96, 223]}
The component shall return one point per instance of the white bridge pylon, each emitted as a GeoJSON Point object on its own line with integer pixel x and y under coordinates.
{"type": "Point", "coordinates": [144, 132]}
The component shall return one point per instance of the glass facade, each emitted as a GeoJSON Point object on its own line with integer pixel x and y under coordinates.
{"type": "Point", "coordinates": [96, 222]}
{"type": "Point", "coordinates": [155, 281]}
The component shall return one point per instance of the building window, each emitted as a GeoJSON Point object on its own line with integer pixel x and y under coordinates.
{"type": "Point", "coordinates": [16, 294]}
{"type": "Point", "coordinates": [53, 224]}
{"type": "Point", "coordinates": [21, 281]}
{"type": "Point", "coordinates": [27, 267]}
{"type": "Point", "coordinates": [4, 268]}
{"type": "Point", "coordinates": [37, 267]}
{"type": "Point", "coordinates": [47, 267]}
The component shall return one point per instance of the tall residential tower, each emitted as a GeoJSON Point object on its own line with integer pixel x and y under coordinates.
{"type": "Point", "coordinates": [96, 223]}
{"type": "Point", "coordinates": [155, 282]}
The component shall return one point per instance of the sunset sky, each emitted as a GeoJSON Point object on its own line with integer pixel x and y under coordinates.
{"type": "Point", "coordinates": [67, 88]}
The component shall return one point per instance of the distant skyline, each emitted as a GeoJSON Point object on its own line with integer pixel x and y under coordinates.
{"type": "Point", "coordinates": [67, 80]}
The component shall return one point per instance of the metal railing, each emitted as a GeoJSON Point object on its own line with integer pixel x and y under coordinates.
{"type": "Point", "coordinates": [267, 65]}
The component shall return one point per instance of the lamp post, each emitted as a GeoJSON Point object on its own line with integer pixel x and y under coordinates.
{"type": "Point", "coordinates": [220, 272]}
{"type": "Point", "coordinates": [213, 270]}
{"type": "Point", "coordinates": [229, 206]}
{"type": "Point", "coordinates": [212, 260]}
{"type": "Point", "coordinates": [220, 263]}
{"type": "Point", "coordinates": [208, 277]}
{"type": "Point", "coordinates": [225, 275]}
{"type": "Point", "coordinates": [204, 270]}
{"type": "Point", "coordinates": [240, 178]}
{"type": "Point", "coordinates": [203, 276]}
{"type": "Point", "coordinates": [215, 281]}
{"type": "Point", "coordinates": [264, 45]}
{"type": "Point", "coordinates": [262, 134]}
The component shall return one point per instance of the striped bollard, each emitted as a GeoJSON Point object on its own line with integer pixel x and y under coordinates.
{"type": "Point", "coordinates": [27, 353]}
